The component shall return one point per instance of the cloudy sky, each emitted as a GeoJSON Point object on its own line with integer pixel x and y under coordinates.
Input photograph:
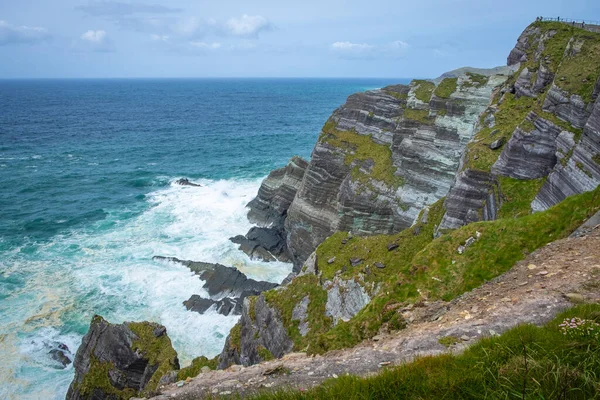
{"type": "Point", "coordinates": [264, 38]}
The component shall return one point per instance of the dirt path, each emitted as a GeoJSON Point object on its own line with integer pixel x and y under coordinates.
{"type": "Point", "coordinates": [533, 291]}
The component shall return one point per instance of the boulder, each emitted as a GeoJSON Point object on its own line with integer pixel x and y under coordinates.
{"type": "Point", "coordinates": [117, 361]}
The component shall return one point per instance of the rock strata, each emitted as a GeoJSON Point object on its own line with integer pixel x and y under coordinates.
{"type": "Point", "coordinates": [121, 361]}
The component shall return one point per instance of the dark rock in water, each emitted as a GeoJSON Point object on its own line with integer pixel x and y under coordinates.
{"type": "Point", "coordinates": [222, 281]}
{"type": "Point", "coordinates": [379, 265]}
{"type": "Point", "coordinates": [116, 361]}
{"type": "Point", "coordinates": [496, 144]}
{"type": "Point", "coordinates": [60, 356]}
{"type": "Point", "coordinates": [392, 246]}
{"type": "Point", "coordinates": [187, 182]}
{"type": "Point", "coordinates": [267, 244]}
{"type": "Point", "coordinates": [224, 306]}
{"type": "Point", "coordinates": [288, 279]}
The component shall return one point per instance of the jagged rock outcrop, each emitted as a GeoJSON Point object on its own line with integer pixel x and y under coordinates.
{"type": "Point", "coordinates": [259, 336]}
{"type": "Point", "coordinates": [269, 207]}
{"type": "Point", "coordinates": [267, 244]}
{"type": "Point", "coordinates": [529, 155]}
{"type": "Point", "coordinates": [226, 286]}
{"type": "Point", "coordinates": [121, 361]}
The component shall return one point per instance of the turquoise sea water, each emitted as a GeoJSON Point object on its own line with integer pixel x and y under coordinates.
{"type": "Point", "coordinates": [87, 198]}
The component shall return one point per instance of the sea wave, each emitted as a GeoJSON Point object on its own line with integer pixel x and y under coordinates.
{"type": "Point", "coordinates": [106, 268]}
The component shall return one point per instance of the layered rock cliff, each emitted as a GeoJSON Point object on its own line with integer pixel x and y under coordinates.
{"type": "Point", "coordinates": [497, 145]}
{"type": "Point", "coordinates": [380, 158]}
{"type": "Point", "coordinates": [543, 125]}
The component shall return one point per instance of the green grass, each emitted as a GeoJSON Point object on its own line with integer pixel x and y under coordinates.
{"type": "Point", "coordinates": [446, 88]}
{"type": "Point", "coordinates": [197, 364]}
{"type": "Point", "coordinates": [510, 114]}
{"type": "Point", "coordinates": [596, 158]}
{"type": "Point", "coordinates": [475, 80]}
{"type": "Point", "coordinates": [399, 96]}
{"type": "Point", "coordinates": [503, 242]}
{"type": "Point", "coordinates": [423, 90]}
{"type": "Point", "coordinates": [421, 116]}
{"type": "Point", "coordinates": [360, 148]}
{"type": "Point", "coordinates": [517, 196]}
{"type": "Point", "coordinates": [448, 341]}
{"type": "Point", "coordinates": [526, 362]}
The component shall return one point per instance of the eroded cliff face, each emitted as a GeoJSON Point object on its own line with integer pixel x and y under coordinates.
{"type": "Point", "coordinates": [383, 156]}
{"type": "Point", "coordinates": [541, 133]}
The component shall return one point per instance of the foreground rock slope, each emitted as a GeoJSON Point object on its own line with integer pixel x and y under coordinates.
{"type": "Point", "coordinates": [533, 291]}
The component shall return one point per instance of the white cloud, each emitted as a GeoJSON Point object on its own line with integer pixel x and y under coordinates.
{"type": "Point", "coordinates": [349, 46]}
{"type": "Point", "coordinates": [96, 41]}
{"type": "Point", "coordinates": [351, 50]}
{"type": "Point", "coordinates": [247, 25]}
{"type": "Point", "coordinates": [10, 34]}
{"type": "Point", "coordinates": [206, 46]}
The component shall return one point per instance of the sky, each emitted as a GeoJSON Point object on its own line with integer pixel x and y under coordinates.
{"type": "Point", "coordinates": [264, 38]}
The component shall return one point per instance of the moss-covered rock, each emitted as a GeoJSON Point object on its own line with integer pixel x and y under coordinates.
{"type": "Point", "coordinates": [120, 361]}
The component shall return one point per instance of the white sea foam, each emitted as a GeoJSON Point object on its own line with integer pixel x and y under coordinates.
{"type": "Point", "coordinates": [108, 269]}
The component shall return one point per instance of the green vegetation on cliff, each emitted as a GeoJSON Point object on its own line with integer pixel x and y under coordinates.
{"type": "Point", "coordinates": [526, 362]}
{"type": "Point", "coordinates": [158, 350]}
{"type": "Point", "coordinates": [423, 90]}
{"type": "Point", "coordinates": [196, 366]}
{"type": "Point", "coordinates": [446, 88]}
{"type": "Point", "coordinates": [358, 149]}
{"type": "Point", "coordinates": [573, 55]}
{"type": "Point", "coordinates": [423, 268]}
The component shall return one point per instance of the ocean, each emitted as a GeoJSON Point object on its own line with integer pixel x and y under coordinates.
{"type": "Point", "coordinates": [87, 198]}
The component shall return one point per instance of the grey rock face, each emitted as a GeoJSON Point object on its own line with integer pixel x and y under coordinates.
{"type": "Point", "coordinates": [425, 153]}
{"type": "Point", "coordinates": [300, 314]}
{"type": "Point", "coordinates": [474, 192]}
{"type": "Point", "coordinates": [570, 108]}
{"type": "Point", "coordinates": [580, 173]}
{"type": "Point", "coordinates": [518, 53]}
{"type": "Point", "coordinates": [276, 193]}
{"type": "Point", "coordinates": [344, 299]}
{"type": "Point", "coordinates": [529, 155]}
{"type": "Point", "coordinates": [260, 330]}
{"type": "Point", "coordinates": [112, 345]}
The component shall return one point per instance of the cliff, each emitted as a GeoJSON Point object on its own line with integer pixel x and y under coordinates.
{"type": "Point", "coordinates": [540, 135]}
{"type": "Point", "coordinates": [386, 216]}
